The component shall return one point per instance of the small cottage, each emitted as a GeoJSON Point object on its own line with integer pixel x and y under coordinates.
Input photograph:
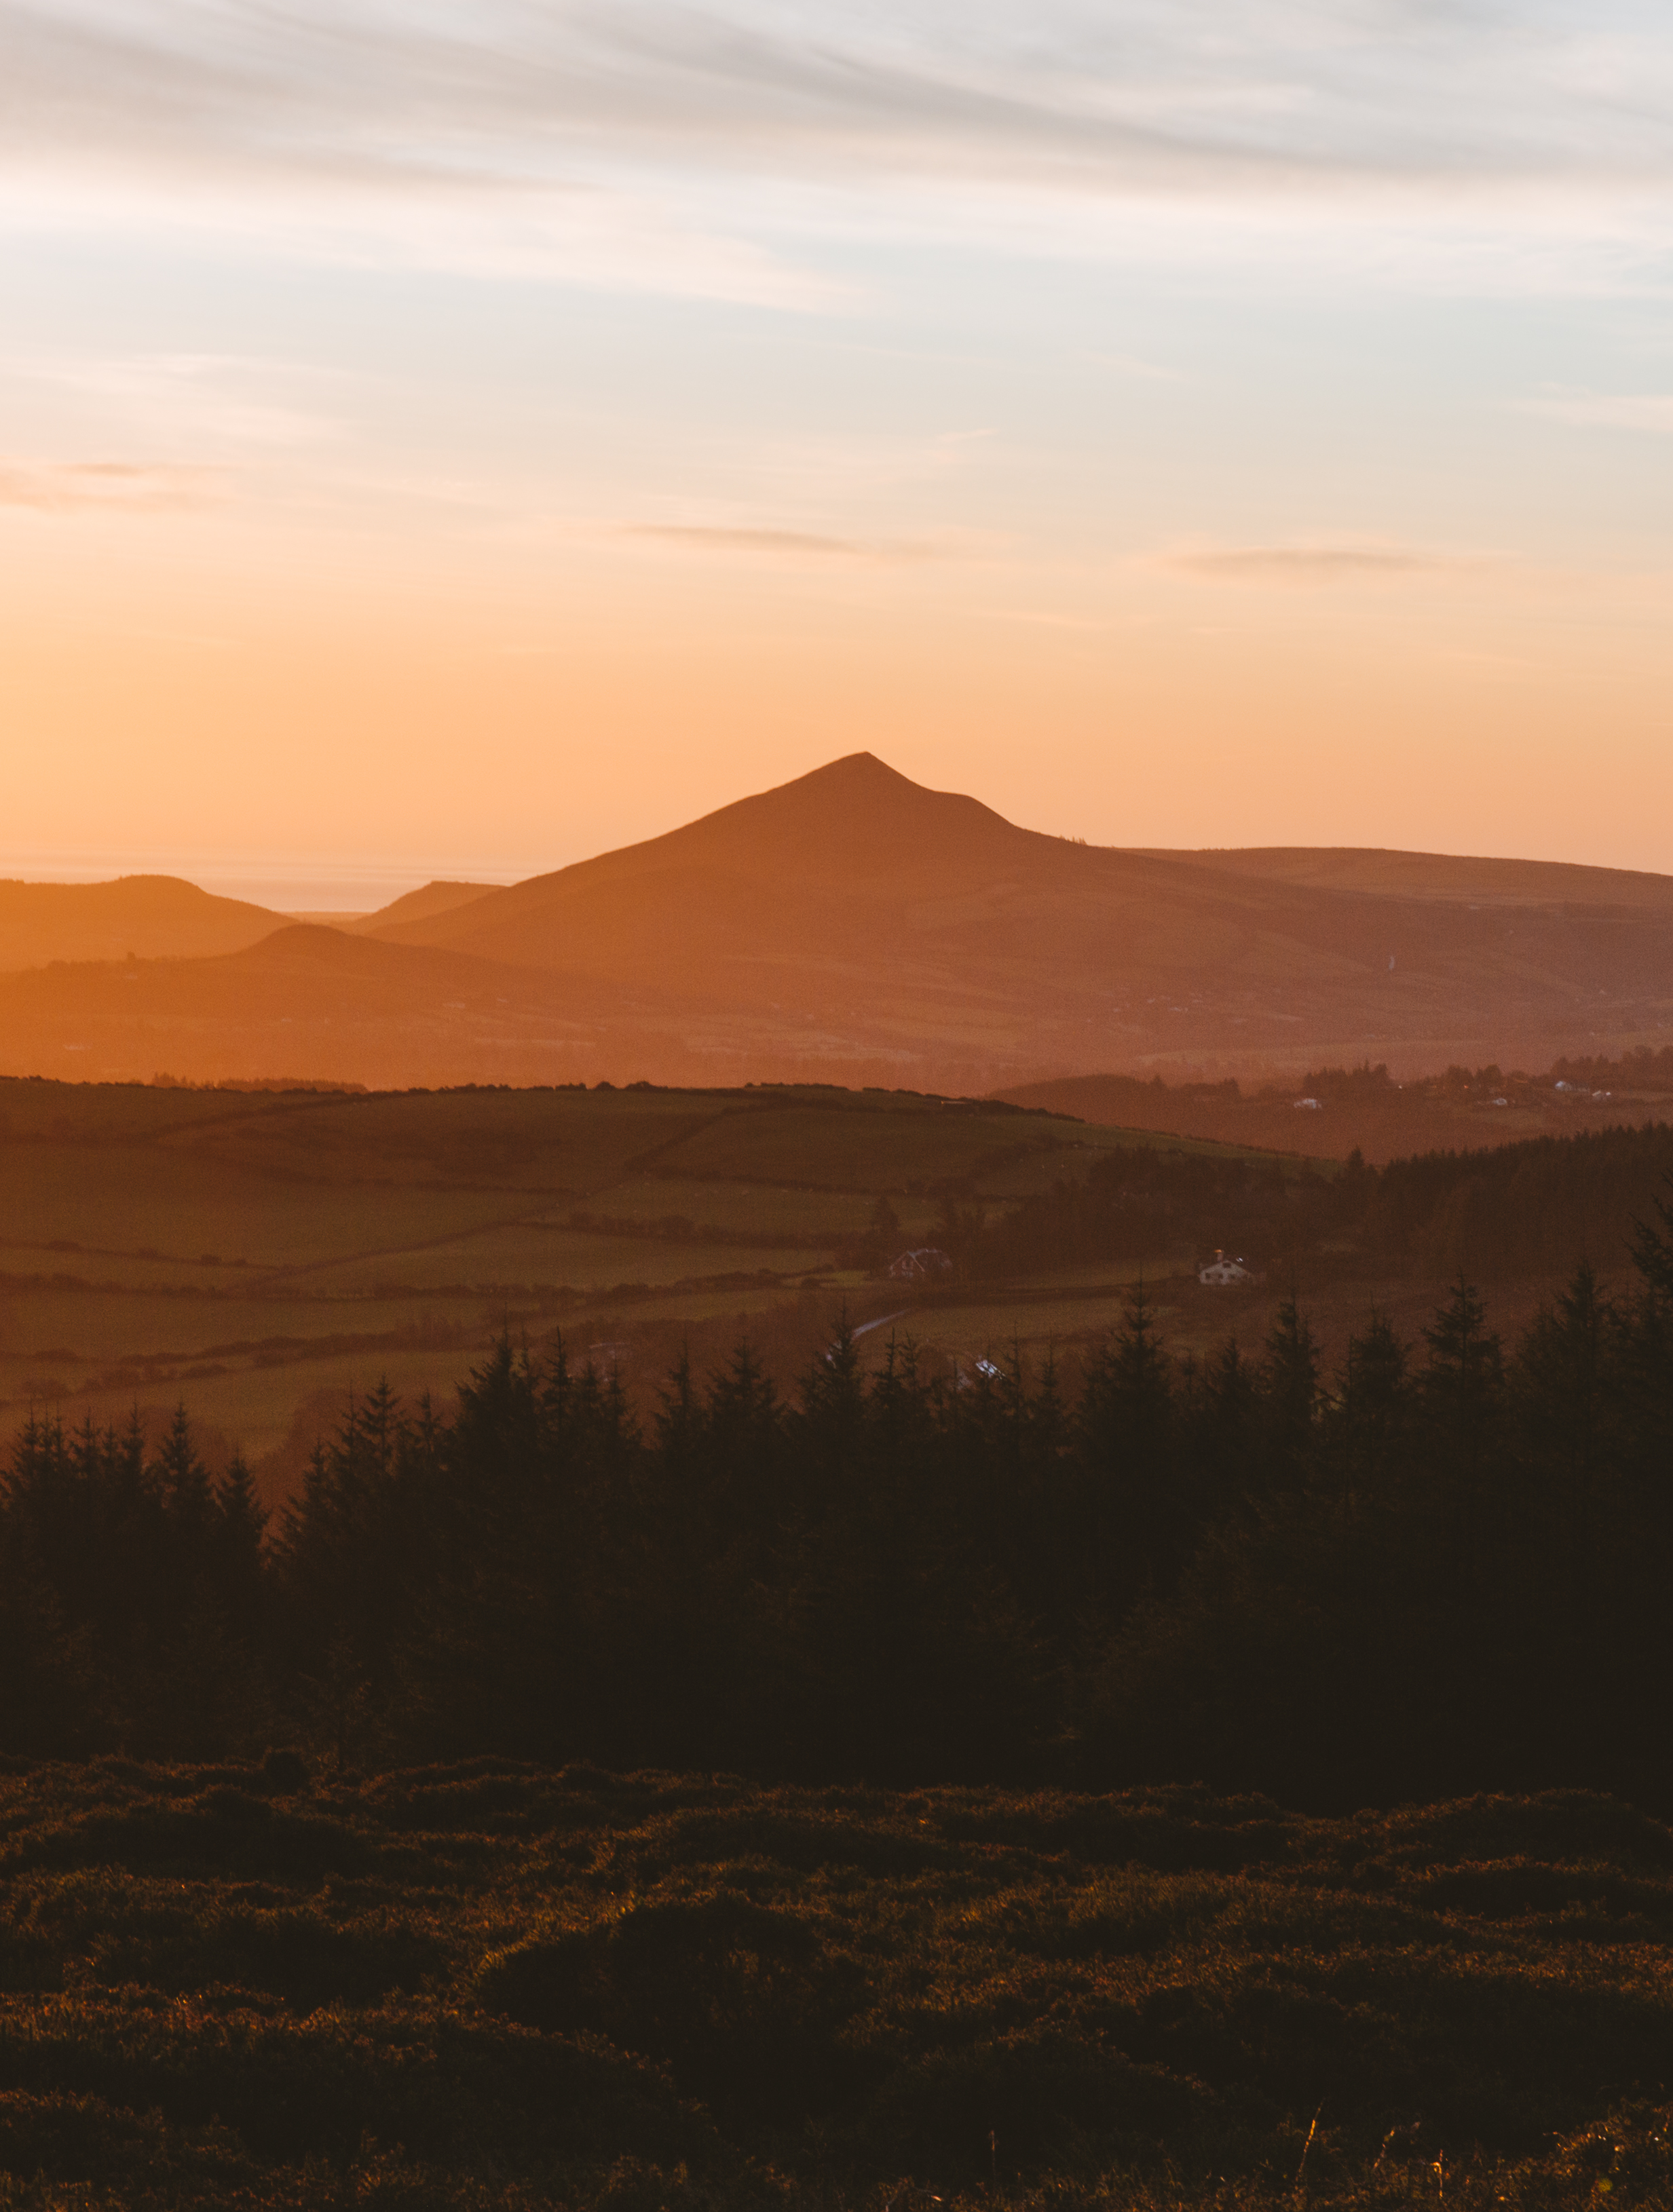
{"type": "Point", "coordinates": [1219, 1271]}
{"type": "Point", "coordinates": [920, 1265]}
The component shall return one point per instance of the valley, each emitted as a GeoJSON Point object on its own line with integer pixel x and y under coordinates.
{"type": "Point", "coordinates": [261, 1252]}
{"type": "Point", "coordinates": [265, 1256]}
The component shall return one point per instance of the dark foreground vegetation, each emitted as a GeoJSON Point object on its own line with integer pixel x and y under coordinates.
{"type": "Point", "coordinates": [489, 1984]}
{"type": "Point", "coordinates": [996, 1915]}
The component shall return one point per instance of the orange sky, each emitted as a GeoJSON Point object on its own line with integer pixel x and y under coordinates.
{"type": "Point", "coordinates": [1172, 439]}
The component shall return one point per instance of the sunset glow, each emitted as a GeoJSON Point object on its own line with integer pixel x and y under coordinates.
{"type": "Point", "coordinates": [465, 438]}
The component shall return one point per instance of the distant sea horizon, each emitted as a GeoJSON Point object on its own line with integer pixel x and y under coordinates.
{"type": "Point", "coordinates": [289, 883]}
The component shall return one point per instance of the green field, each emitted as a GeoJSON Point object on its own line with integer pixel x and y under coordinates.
{"type": "Point", "coordinates": [257, 1252]}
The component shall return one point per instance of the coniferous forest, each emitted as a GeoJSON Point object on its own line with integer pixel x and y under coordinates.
{"type": "Point", "coordinates": [1440, 1567]}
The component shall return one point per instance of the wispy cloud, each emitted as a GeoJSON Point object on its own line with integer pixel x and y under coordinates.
{"type": "Point", "coordinates": [1308, 564]}
{"type": "Point", "coordinates": [561, 126]}
{"type": "Point", "coordinates": [693, 538]}
{"type": "Point", "coordinates": [105, 486]}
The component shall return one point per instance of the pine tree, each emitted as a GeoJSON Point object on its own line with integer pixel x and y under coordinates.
{"type": "Point", "coordinates": [1370, 1417]}
{"type": "Point", "coordinates": [1136, 1521]}
{"type": "Point", "coordinates": [1290, 1390]}
{"type": "Point", "coordinates": [49, 1700]}
{"type": "Point", "coordinates": [240, 1530]}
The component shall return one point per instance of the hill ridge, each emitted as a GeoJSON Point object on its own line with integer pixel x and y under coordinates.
{"type": "Point", "coordinates": [852, 925]}
{"type": "Point", "coordinates": [150, 915]}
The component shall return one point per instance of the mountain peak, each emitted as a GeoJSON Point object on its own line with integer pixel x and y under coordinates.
{"type": "Point", "coordinates": [852, 777]}
{"type": "Point", "coordinates": [854, 768]}
{"type": "Point", "coordinates": [855, 815]}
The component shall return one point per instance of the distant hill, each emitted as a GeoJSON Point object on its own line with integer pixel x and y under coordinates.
{"type": "Point", "coordinates": [309, 999]}
{"type": "Point", "coordinates": [1449, 877]}
{"type": "Point", "coordinates": [422, 905]}
{"type": "Point", "coordinates": [153, 917]}
{"type": "Point", "coordinates": [852, 926]}
{"type": "Point", "coordinates": [1331, 1113]}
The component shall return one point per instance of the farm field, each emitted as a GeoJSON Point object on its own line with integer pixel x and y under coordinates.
{"type": "Point", "coordinates": [492, 1982]}
{"type": "Point", "coordinates": [1361, 1107]}
{"type": "Point", "coordinates": [262, 1254]}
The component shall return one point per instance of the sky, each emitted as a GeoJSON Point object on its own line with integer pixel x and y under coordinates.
{"type": "Point", "coordinates": [451, 437]}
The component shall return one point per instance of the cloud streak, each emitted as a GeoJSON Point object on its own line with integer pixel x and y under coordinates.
{"type": "Point", "coordinates": [692, 538]}
{"type": "Point", "coordinates": [105, 487]}
{"type": "Point", "coordinates": [1309, 564]}
{"type": "Point", "coordinates": [481, 100]}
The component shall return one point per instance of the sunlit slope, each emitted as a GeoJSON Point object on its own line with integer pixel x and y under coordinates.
{"type": "Point", "coordinates": [152, 917]}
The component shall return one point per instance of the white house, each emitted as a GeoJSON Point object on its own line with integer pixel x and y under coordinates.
{"type": "Point", "coordinates": [1220, 1269]}
{"type": "Point", "coordinates": [917, 1266]}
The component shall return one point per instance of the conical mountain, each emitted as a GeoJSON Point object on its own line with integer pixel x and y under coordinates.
{"type": "Point", "coordinates": [852, 926]}
{"type": "Point", "coordinates": [854, 914]}
{"type": "Point", "coordinates": [808, 869]}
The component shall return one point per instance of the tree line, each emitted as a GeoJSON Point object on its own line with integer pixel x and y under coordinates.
{"type": "Point", "coordinates": [1436, 1567]}
{"type": "Point", "coordinates": [1511, 1210]}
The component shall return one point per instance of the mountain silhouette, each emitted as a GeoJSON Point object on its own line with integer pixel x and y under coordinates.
{"type": "Point", "coordinates": [812, 871]}
{"type": "Point", "coordinates": [153, 917]}
{"type": "Point", "coordinates": [422, 905]}
{"type": "Point", "coordinates": [854, 926]}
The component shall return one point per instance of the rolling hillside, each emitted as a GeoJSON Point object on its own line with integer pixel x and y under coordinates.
{"type": "Point", "coordinates": [264, 1253]}
{"type": "Point", "coordinates": [150, 917]}
{"type": "Point", "coordinates": [1346, 1110]}
{"type": "Point", "coordinates": [260, 1249]}
{"type": "Point", "coordinates": [853, 927]}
